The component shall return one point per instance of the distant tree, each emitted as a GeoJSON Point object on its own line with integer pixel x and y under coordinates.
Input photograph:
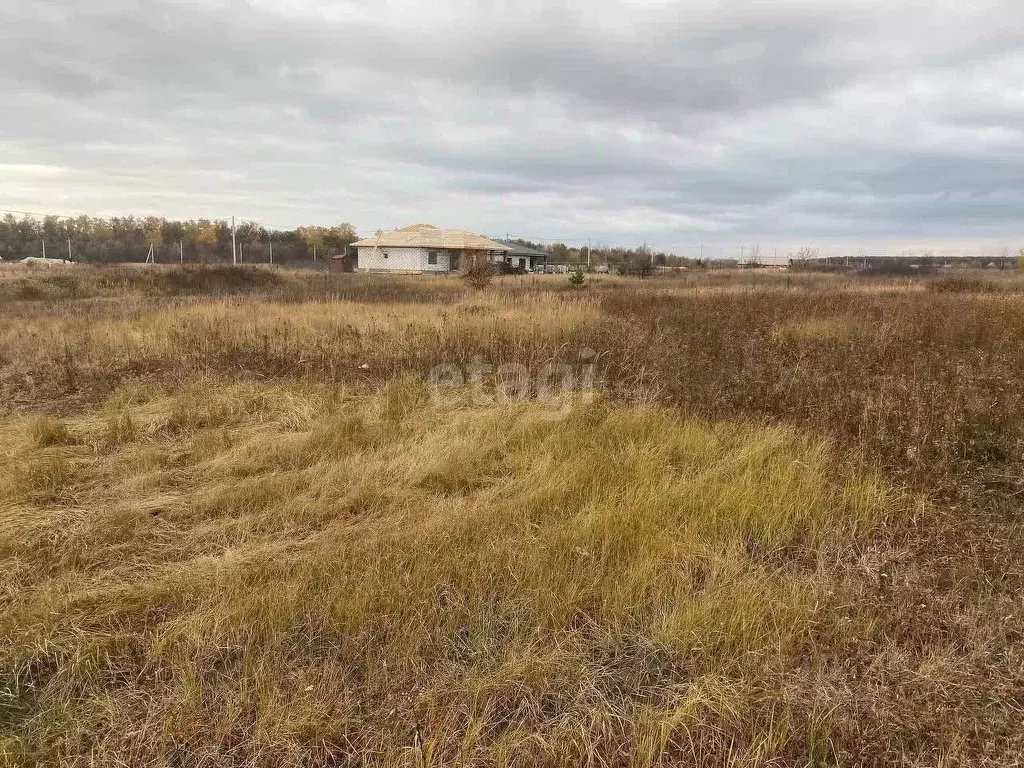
{"type": "Point", "coordinates": [52, 229]}
{"type": "Point", "coordinates": [122, 238]}
{"type": "Point", "coordinates": [576, 278]}
{"type": "Point", "coordinates": [12, 238]}
{"type": "Point", "coordinates": [1020, 258]}
{"type": "Point", "coordinates": [806, 253]}
{"type": "Point", "coordinates": [637, 263]}
{"type": "Point", "coordinates": [174, 231]}
{"type": "Point", "coordinates": [313, 237]}
{"type": "Point", "coordinates": [207, 234]}
{"type": "Point", "coordinates": [559, 251]}
{"type": "Point", "coordinates": [339, 237]}
{"type": "Point", "coordinates": [527, 243]}
{"type": "Point", "coordinates": [154, 229]}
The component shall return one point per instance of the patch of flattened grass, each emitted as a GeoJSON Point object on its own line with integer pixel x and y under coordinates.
{"type": "Point", "coordinates": [352, 571]}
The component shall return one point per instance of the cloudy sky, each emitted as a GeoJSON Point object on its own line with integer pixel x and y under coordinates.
{"type": "Point", "coordinates": [879, 124]}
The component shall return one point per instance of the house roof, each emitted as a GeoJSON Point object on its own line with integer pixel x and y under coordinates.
{"type": "Point", "coordinates": [518, 249]}
{"type": "Point", "coordinates": [427, 236]}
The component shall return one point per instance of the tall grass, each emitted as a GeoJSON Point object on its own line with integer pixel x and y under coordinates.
{"type": "Point", "coordinates": [930, 385]}
{"type": "Point", "coordinates": [332, 341]}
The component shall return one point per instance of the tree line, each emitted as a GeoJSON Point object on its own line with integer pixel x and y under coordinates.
{"type": "Point", "coordinates": [638, 260]}
{"type": "Point", "coordinates": [129, 238]}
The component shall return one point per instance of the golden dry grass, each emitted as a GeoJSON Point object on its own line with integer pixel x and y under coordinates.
{"type": "Point", "coordinates": [279, 575]}
{"type": "Point", "coordinates": [236, 529]}
{"type": "Point", "coordinates": [332, 339]}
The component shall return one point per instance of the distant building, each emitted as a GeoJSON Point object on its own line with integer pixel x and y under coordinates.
{"type": "Point", "coordinates": [424, 248]}
{"type": "Point", "coordinates": [522, 256]}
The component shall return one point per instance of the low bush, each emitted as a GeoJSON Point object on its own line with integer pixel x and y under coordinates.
{"type": "Point", "coordinates": [964, 283]}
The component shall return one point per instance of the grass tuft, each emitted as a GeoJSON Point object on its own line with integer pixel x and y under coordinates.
{"type": "Point", "coordinates": [48, 431]}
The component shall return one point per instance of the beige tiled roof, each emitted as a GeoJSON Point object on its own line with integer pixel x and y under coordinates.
{"type": "Point", "coordinates": [427, 236]}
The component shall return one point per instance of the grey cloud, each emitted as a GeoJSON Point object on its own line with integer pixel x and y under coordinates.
{"type": "Point", "coordinates": [788, 119]}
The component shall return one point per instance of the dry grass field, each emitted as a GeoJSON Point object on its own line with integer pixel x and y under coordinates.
{"type": "Point", "coordinates": [775, 520]}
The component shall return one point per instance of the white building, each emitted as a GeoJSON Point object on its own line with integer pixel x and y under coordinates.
{"type": "Point", "coordinates": [424, 248]}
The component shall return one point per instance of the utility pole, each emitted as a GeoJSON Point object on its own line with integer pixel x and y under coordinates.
{"type": "Point", "coordinates": [314, 253]}
{"type": "Point", "coordinates": [44, 248]}
{"type": "Point", "coordinates": [589, 249]}
{"type": "Point", "coordinates": [234, 253]}
{"type": "Point", "coordinates": [271, 250]}
{"type": "Point", "coordinates": [181, 253]}
{"type": "Point", "coordinates": [69, 249]}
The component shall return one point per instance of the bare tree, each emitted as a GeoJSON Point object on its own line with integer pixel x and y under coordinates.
{"type": "Point", "coordinates": [806, 253]}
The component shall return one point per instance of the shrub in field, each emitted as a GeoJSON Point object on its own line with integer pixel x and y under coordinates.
{"type": "Point", "coordinates": [505, 268]}
{"type": "Point", "coordinates": [577, 279]}
{"type": "Point", "coordinates": [963, 283]}
{"type": "Point", "coordinates": [216, 279]}
{"type": "Point", "coordinates": [478, 271]}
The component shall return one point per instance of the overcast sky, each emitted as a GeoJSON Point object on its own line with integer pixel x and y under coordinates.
{"type": "Point", "coordinates": [879, 123]}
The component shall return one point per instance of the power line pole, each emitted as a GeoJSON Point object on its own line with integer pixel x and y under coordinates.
{"type": "Point", "coordinates": [271, 250]}
{"type": "Point", "coordinates": [44, 248]}
{"type": "Point", "coordinates": [234, 254]}
{"type": "Point", "coordinates": [589, 250]}
{"type": "Point", "coordinates": [181, 253]}
{"type": "Point", "coordinates": [69, 249]}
